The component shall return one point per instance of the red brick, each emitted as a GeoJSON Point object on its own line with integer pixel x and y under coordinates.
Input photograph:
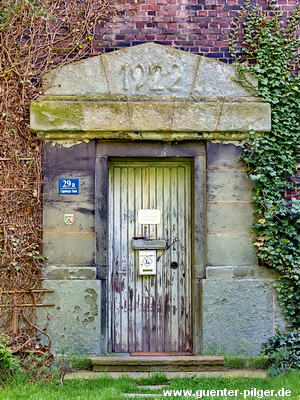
{"type": "Point", "coordinates": [150, 7]}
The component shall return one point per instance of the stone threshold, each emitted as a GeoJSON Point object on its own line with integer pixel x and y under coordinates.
{"type": "Point", "coordinates": [158, 363]}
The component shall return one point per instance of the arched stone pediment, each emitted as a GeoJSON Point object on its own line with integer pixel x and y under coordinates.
{"type": "Point", "coordinates": [150, 91]}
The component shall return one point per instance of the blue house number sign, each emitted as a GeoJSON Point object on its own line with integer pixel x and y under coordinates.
{"type": "Point", "coordinates": [68, 186]}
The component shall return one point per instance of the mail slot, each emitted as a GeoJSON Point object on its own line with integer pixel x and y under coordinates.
{"type": "Point", "coordinates": [143, 243]}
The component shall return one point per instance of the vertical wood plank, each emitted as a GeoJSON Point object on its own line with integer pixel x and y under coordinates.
{"type": "Point", "coordinates": [166, 290]}
{"type": "Point", "coordinates": [114, 257]}
{"type": "Point", "coordinates": [183, 233]}
{"type": "Point", "coordinates": [189, 260]}
{"type": "Point", "coordinates": [152, 279]}
{"type": "Point", "coordinates": [161, 233]}
{"type": "Point", "coordinates": [174, 258]}
{"type": "Point", "coordinates": [139, 282]}
{"type": "Point", "coordinates": [131, 276]}
{"type": "Point", "coordinates": [123, 278]}
{"type": "Point", "coordinates": [145, 279]}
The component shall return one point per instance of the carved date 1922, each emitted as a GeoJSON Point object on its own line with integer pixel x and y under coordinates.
{"type": "Point", "coordinates": [156, 77]}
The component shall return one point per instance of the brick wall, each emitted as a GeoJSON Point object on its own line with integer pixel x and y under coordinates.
{"type": "Point", "coordinates": [198, 26]}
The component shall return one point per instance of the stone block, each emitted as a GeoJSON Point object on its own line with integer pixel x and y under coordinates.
{"type": "Point", "coordinates": [106, 116]}
{"type": "Point", "coordinates": [69, 155]}
{"type": "Point", "coordinates": [89, 119]}
{"type": "Point", "coordinates": [244, 117]}
{"type": "Point", "coordinates": [82, 77]}
{"type": "Point", "coordinates": [228, 186]}
{"type": "Point", "coordinates": [69, 249]}
{"type": "Point", "coordinates": [84, 217]}
{"type": "Point", "coordinates": [151, 116]}
{"type": "Point", "coordinates": [230, 249]}
{"type": "Point", "coordinates": [74, 321]}
{"type": "Point", "coordinates": [237, 314]}
{"type": "Point", "coordinates": [215, 78]}
{"type": "Point", "coordinates": [198, 116]}
{"type": "Point", "coordinates": [220, 272]}
{"type": "Point", "coordinates": [224, 156]}
{"type": "Point", "coordinates": [253, 271]}
{"type": "Point", "coordinates": [86, 186]}
{"type": "Point", "coordinates": [279, 320]}
{"type": "Point", "coordinates": [70, 272]}
{"type": "Point", "coordinates": [229, 217]}
{"type": "Point", "coordinates": [239, 272]}
{"type": "Point", "coordinates": [56, 115]}
{"type": "Point", "coordinates": [150, 69]}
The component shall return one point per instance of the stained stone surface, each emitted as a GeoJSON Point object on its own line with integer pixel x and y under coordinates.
{"type": "Point", "coordinates": [150, 69]}
{"type": "Point", "coordinates": [77, 78]}
{"type": "Point", "coordinates": [217, 79]}
{"type": "Point", "coordinates": [146, 88]}
{"type": "Point", "coordinates": [237, 314]}
{"type": "Point", "coordinates": [74, 321]}
{"type": "Point", "coordinates": [89, 116]}
{"type": "Point", "coordinates": [157, 93]}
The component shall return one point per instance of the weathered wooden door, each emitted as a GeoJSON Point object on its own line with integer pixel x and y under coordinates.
{"type": "Point", "coordinates": [150, 313]}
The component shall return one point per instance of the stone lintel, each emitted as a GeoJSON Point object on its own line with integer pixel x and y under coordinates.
{"type": "Point", "coordinates": [157, 120]}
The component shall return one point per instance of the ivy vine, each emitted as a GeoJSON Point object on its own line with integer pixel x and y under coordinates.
{"type": "Point", "coordinates": [269, 50]}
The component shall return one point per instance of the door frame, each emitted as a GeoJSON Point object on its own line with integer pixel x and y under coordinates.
{"type": "Point", "coordinates": [139, 149]}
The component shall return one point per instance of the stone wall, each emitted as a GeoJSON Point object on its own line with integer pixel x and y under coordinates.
{"type": "Point", "coordinates": [238, 308]}
{"type": "Point", "coordinates": [70, 270]}
{"type": "Point", "coordinates": [139, 96]}
{"type": "Point", "coordinates": [239, 304]}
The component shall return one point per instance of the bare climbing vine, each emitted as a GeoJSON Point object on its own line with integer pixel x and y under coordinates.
{"type": "Point", "coordinates": [35, 36]}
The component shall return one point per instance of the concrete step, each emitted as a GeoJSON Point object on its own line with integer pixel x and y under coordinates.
{"type": "Point", "coordinates": [157, 363]}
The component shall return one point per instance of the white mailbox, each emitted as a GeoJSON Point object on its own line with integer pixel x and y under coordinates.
{"type": "Point", "coordinates": [147, 262]}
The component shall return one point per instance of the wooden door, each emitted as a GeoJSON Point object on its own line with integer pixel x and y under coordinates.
{"type": "Point", "coordinates": [150, 313]}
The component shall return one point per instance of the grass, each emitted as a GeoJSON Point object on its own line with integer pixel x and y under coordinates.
{"type": "Point", "coordinates": [242, 362]}
{"type": "Point", "coordinates": [107, 388]}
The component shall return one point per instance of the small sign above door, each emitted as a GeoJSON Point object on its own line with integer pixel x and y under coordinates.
{"type": "Point", "coordinates": [149, 217]}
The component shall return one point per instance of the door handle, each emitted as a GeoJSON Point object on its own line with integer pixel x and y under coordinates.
{"type": "Point", "coordinates": [121, 272]}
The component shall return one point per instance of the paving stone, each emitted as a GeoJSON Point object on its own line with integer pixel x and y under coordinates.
{"type": "Point", "coordinates": [137, 375]}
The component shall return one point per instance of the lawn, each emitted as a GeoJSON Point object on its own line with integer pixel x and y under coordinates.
{"type": "Point", "coordinates": [107, 388]}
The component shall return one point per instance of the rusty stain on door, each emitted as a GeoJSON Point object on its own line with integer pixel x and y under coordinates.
{"type": "Point", "coordinates": [150, 313]}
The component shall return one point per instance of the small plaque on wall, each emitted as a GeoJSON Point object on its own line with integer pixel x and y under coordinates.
{"type": "Point", "coordinates": [68, 186]}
